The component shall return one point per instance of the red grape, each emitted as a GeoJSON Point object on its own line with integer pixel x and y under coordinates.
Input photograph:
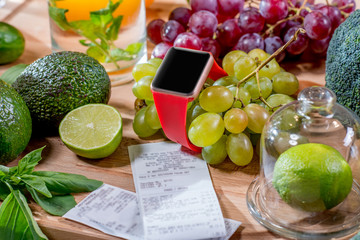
{"type": "Point", "coordinates": [181, 15]}
{"type": "Point", "coordinates": [320, 46]}
{"type": "Point", "coordinates": [341, 3]}
{"type": "Point", "coordinates": [208, 5]}
{"type": "Point", "coordinates": [170, 30]}
{"type": "Point", "coordinates": [153, 30]}
{"type": "Point", "coordinates": [249, 41]}
{"type": "Point", "coordinates": [188, 40]}
{"type": "Point", "coordinates": [317, 25]}
{"type": "Point", "coordinates": [272, 44]}
{"type": "Point", "coordinates": [230, 8]}
{"type": "Point", "coordinates": [273, 10]}
{"type": "Point", "coordinates": [228, 33]}
{"type": "Point", "coordinates": [251, 21]}
{"type": "Point", "coordinates": [203, 23]}
{"type": "Point", "coordinates": [211, 45]}
{"type": "Point", "coordinates": [334, 14]}
{"type": "Point", "coordinates": [160, 50]}
{"type": "Point", "coordinates": [299, 45]}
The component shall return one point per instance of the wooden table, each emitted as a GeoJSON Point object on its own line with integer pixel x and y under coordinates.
{"type": "Point", "coordinates": [230, 182]}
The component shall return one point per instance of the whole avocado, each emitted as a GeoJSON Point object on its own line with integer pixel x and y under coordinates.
{"type": "Point", "coordinates": [343, 63]}
{"type": "Point", "coordinates": [54, 85]}
{"type": "Point", "coordinates": [15, 123]}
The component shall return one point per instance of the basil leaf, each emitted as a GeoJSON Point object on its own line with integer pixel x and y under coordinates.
{"type": "Point", "coordinates": [57, 205]}
{"type": "Point", "coordinates": [4, 170]}
{"type": "Point", "coordinates": [65, 183]}
{"type": "Point", "coordinates": [10, 75]}
{"type": "Point", "coordinates": [113, 31]}
{"type": "Point", "coordinates": [101, 17]}
{"type": "Point", "coordinates": [16, 219]}
{"type": "Point", "coordinates": [28, 163]}
{"type": "Point", "coordinates": [58, 16]}
{"type": "Point", "coordinates": [4, 190]}
{"type": "Point", "coordinates": [37, 184]}
{"type": "Point", "coordinates": [134, 48]}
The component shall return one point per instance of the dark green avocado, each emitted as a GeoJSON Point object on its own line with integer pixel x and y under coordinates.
{"type": "Point", "coordinates": [54, 85]}
{"type": "Point", "coordinates": [15, 124]}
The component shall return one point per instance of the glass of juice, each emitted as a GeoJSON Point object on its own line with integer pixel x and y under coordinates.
{"type": "Point", "coordinates": [111, 31]}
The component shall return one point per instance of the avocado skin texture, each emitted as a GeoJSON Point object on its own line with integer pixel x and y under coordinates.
{"type": "Point", "coordinates": [15, 124]}
{"type": "Point", "coordinates": [343, 63]}
{"type": "Point", "coordinates": [54, 85]}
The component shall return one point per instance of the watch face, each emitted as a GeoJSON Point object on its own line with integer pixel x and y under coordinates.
{"type": "Point", "coordinates": [181, 71]}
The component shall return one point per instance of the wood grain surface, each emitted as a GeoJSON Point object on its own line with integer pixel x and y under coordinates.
{"type": "Point", "coordinates": [230, 182]}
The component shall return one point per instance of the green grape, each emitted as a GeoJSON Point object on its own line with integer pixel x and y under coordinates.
{"type": "Point", "coordinates": [206, 129]}
{"type": "Point", "coordinates": [270, 69]}
{"type": "Point", "coordinates": [135, 91]}
{"type": "Point", "coordinates": [265, 86]}
{"type": "Point", "coordinates": [285, 140]}
{"type": "Point", "coordinates": [285, 83]}
{"type": "Point", "coordinates": [209, 82]}
{"type": "Point", "coordinates": [243, 67]}
{"type": "Point", "coordinates": [151, 117]}
{"type": "Point", "coordinates": [148, 102]}
{"type": "Point", "coordinates": [257, 116]}
{"type": "Point", "coordinates": [239, 149]}
{"type": "Point", "coordinates": [140, 126]}
{"type": "Point", "coordinates": [155, 61]}
{"type": "Point", "coordinates": [143, 69]}
{"type": "Point", "coordinates": [216, 153]}
{"type": "Point", "coordinates": [287, 119]}
{"type": "Point", "coordinates": [275, 100]}
{"type": "Point", "coordinates": [230, 59]}
{"type": "Point", "coordinates": [195, 111]}
{"type": "Point", "coordinates": [143, 88]}
{"type": "Point", "coordinates": [226, 81]}
{"type": "Point", "coordinates": [235, 120]}
{"type": "Point", "coordinates": [243, 94]}
{"type": "Point", "coordinates": [259, 55]}
{"type": "Point", "coordinates": [216, 99]}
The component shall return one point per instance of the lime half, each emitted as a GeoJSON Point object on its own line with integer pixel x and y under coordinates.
{"type": "Point", "coordinates": [92, 131]}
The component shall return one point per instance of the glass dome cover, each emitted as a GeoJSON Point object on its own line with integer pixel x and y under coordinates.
{"type": "Point", "coordinates": [314, 118]}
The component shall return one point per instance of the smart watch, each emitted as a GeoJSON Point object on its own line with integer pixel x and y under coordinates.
{"type": "Point", "coordinates": [177, 82]}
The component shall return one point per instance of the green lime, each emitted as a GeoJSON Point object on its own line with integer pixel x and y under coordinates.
{"type": "Point", "coordinates": [312, 177]}
{"type": "Point", "coordinates": [12, 43]}
{"type": "Point", "coordinates": [92, 131]}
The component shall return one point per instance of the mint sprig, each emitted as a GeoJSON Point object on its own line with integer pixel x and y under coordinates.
{"type": "Point", "coordinates": [99, 32]}
{"type": "Point", "coordinates": [51, 190]}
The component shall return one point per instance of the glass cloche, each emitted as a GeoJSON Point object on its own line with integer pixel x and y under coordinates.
{"type": "Point", "coordinates": [308, 187]}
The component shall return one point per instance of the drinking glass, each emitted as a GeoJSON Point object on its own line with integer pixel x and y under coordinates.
{"type": "Point", "coordinates": [111, 31]}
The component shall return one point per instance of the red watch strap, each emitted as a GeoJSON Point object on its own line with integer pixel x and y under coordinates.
{"type": "Point", "coordinates": [172, 114]}
{"type": "Point", "coordinates": [216, 72]}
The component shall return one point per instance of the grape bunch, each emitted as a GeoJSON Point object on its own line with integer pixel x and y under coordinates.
{"type": "Point", "coordinates": [228, 116]}
{"type": "Point", "coordinates": [220, 26]}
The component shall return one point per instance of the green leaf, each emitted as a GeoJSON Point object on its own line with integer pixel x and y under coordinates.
{"type": "Point", "coordinates": [37, 184]}
{"type": "Point", "coordinates": [119, 54]}
{"type": "Point", "coordinates": [113, 6]}
{"type": "Point", "coordinates": [16, 219]}
{"type": "Point", "coordinates": [86, 28]}
{"type": "Point", "coordinates": [101, 17]}
{"type": "Point", "coordinates": [58, 16]}
{"type": "Point", "coordinates": [113, 31]}
{"type": "Point", "coordinates": [4, 190]}
{"type": "Point", "coordinates": [134, 48]}
{"type": "Point", "coordinates": [96, 53]}
{"type": "Point", "coordinates": [65, 183]}
{"type": "Point", "coordinates": [28, 163]}
{"type": "Point", "coordinates": [10, 75]}
{"type": "Point", "coordinates": [4, 170]}
{"type": "Point", "coordinates": [86, 44]}
{"type": "Point", "coordinates": [57, 205]}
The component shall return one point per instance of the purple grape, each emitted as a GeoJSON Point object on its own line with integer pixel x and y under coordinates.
{"type": "Point", "coordinates": [228, 33]}
{"type": "Point", "coordinates": [334, 14]}
{"type": "Point", "coordinates": [251, 21]}
{"type": "Point", "coordinates": [153, 30]}
{"type": "Point", "coordinates": [203, 23]}
{"type": "Point", "coordinates": [230, 8]}
{"type": "Point", "coordinates": [188, 40]}
{"type": "Point", "coordinates": [273, 10]}
{"type": "Point", "coordinates": [320, 46]}
{"type": "Point", "coordinates": [317, 25]}
{"type": "Point", "coordinates": [160, 50]}
{"type": "Point", "coordinates": [249, 41]}
{"type": "Point", "coordinates": [211, 45]}
{"type": "Point", "coordinates": [181, 15]}
{"type": "Point", "coordinates": [208, 5]}
{"type": "Point", "coordinates": [272, 44]}
{"type": "Point", "coordinates": [351, 5]}
{"type": "Point", "coordinates": [299, 45]}
{"type": "Point", "coordinates": [170, 30]}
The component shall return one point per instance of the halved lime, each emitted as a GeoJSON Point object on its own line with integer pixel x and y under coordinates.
{"type": "Point", "coordinates": [92, 131]}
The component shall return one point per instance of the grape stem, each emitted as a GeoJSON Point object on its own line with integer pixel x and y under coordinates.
{"type": "Point", "coordinates": [263, 64]}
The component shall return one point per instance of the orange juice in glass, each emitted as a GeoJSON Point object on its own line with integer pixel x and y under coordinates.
{"type": "Point", "coordinates": [111, 31]}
